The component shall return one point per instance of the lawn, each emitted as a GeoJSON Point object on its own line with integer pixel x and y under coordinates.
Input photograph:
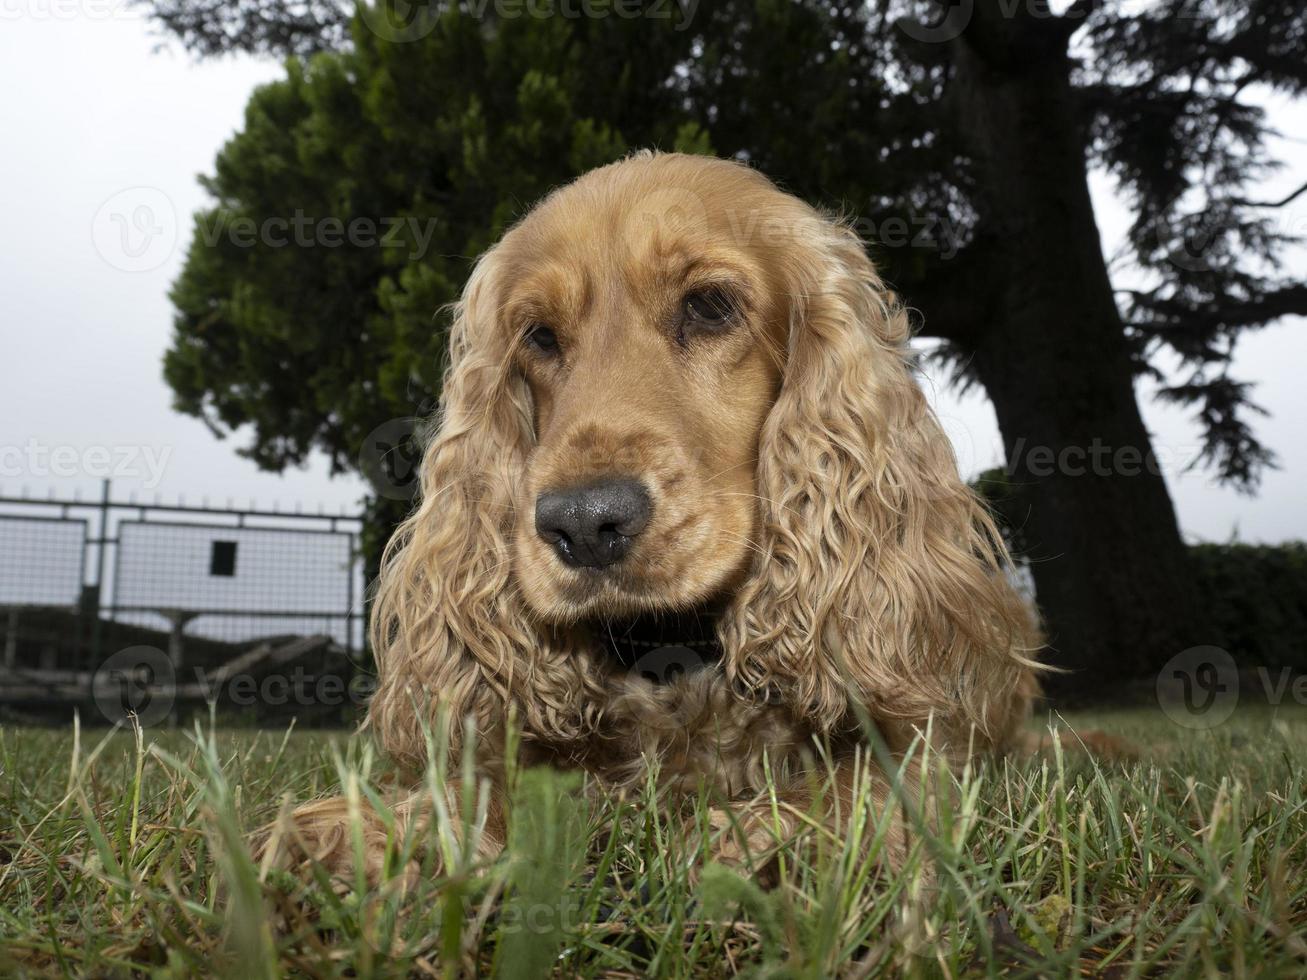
{"type": "Point", "coordinates": [121, 856]}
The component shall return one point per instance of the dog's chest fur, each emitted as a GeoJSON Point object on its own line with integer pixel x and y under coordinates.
{"type": "Point", "coordinates": [696, 730]}
{"type": "Point", "coordinates": [668, 706]}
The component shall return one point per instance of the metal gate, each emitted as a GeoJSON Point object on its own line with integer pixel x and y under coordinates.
{"type": "Point", "coordinates": [207, 588]}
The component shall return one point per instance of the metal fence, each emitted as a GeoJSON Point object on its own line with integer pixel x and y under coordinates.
{"type": "Point", "coordinates": [214, 587]}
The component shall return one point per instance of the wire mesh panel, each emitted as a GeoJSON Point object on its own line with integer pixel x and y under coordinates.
{"type": "Point", "coordinates": [242, 582]}
{"type": "Point", "coordinates": [41, 560]}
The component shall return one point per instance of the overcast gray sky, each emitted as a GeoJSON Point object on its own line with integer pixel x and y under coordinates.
{"type": "Point", "coordinates": [93, 116]}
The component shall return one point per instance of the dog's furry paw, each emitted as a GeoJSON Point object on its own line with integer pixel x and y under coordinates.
{"type": "Point", "coordinates": [747, 838]}
{"type": "Point", "coordinates": [345, 845]}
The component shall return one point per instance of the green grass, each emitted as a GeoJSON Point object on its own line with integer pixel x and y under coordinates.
{"type": "Point", "coordinates": [120, 857]}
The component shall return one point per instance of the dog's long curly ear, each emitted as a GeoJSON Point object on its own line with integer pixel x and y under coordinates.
{"type": "Point", "coordinates": [450, 635]}
{"type": "Point", "coordinates": [879, 580]}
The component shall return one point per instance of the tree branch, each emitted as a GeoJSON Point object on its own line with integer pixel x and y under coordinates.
{"type": "Point", "coordinates": [1273, 204]}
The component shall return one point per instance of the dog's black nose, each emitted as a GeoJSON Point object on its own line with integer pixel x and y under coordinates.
{"type": "Point", "coordinates": [592, 526]}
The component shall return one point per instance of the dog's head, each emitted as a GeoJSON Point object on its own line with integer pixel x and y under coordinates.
{"type": "Point", "coordinates": [673, 383]}
{"type": "Point", "coordinates": [649, 331]}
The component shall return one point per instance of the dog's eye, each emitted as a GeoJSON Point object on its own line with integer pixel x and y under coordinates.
{"type": "Point", "coordinates": [708, 308]}
{"type": "Point", "coordinates": [542, 338]}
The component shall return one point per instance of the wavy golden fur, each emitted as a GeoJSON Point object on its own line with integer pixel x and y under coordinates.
{"type": "Point", "coordinates": [681, 322]}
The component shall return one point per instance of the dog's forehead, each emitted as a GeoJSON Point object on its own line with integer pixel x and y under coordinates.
{"type": "Point", "coordinates": [642, 235]}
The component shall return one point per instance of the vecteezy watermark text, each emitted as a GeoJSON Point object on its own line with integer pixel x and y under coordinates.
{"type": "Point", "coordinates": [136, 230]}
{"type": "Point", "coordinates": [402, 21]}
{"type": "Point", "coordinates": [1200, 687]}
{"type": "Point", "coordinates": [143, 682]}
{"type": "Point", "coordinates": [1099, 458]}
{"type": "Point", "coordinates": [40, 460]}
{"type": "Point", "coordinates": [947, 19]}
{"type": "Point", "coordinates": [306, 231]}
{"type": "Point", "coordinates": [934, 233]}
{"type": "Point", "coordinates": [62, 10]}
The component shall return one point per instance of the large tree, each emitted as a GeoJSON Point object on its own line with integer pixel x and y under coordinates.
{"type": "Point", "coordinates": [962, 145]}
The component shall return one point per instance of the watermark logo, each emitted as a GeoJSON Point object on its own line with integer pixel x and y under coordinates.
{"type": "Point", "coordinates": [951, 20]}
{"type": "Point", "coordinates": [669, 211]}
{"type": "Point", "coordinates": [391, 456]}
{"type": "Point", "coordinates": [1213, 238]}
{"type": "Point", "coordinates": [665, 665]}
{"type": "Point", "coordinates": [1190, 242]}
{"type": "Point", "coordinates": [136, 229]}
{"type": "Point", "coordinates": [137, 681]}
{"type": "Point", "coordinates": [1199, 687]}
{"type": "Point", "coordinates": [399, 21]}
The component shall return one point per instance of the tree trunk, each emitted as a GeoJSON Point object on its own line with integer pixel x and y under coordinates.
{"type": "Point", "coordinates": [1111, 571]}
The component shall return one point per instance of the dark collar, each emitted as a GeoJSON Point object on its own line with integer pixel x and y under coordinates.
{"type": "Point", "coordinates": [660, 647]}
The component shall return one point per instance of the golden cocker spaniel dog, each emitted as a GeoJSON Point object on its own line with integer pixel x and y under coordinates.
{"type": "Point", "coordinates": [686, 506]}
